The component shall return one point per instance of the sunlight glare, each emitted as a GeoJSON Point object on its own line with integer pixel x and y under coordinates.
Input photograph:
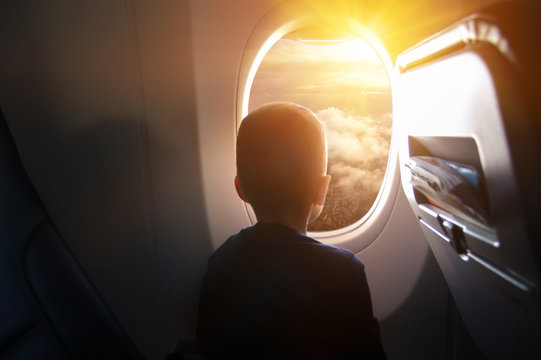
{"type": "Point", "coordinates": [255, 66]}
{"type": "Point", "coordinates": [355, 50]}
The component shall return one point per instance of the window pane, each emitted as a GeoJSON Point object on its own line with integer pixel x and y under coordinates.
{"type": "Point", "coordinates": [347, 86]}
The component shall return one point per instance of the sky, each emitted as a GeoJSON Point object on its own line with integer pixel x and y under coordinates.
{"type": "Point", "coordinates": [346, 85]}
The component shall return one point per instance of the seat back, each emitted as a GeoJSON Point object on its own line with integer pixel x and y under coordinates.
{"type": "Point", "coordinates": [468, 103]}
{"type": "Point", "coordinates": [48, 307]}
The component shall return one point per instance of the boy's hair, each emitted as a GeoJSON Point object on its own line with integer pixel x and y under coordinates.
{"type": "Point", "coordinates": [281, 156]}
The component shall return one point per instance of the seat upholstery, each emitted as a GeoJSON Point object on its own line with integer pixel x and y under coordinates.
{"type": "Point", "coordinates": [48, 307]}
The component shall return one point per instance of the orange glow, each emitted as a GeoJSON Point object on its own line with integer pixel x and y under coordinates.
{"type": "Point", "coordinates": [345, 50]}
{"type": "Point", "coordinates": [322, 74]}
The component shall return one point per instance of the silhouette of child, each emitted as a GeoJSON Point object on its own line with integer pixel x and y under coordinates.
{"type": "Point", "coordinates": [271, 291]}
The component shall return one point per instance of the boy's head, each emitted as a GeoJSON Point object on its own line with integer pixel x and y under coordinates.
{"type": "Point", "coordinates": [282, 161]}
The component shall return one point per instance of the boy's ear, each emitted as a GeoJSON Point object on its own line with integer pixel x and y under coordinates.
{"type": "Point", "coordinates": [322, 190]}
{"type": "Point", "coordinates": [239, 191]}
{"type": "Point", "coordinates": [317, 205]}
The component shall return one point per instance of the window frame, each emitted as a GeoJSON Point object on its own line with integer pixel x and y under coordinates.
{"type": "Point", "coordinates": [278, 24]}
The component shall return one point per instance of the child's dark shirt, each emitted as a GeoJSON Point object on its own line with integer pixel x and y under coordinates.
{"type": "Point", "coordinates": [271, 291]}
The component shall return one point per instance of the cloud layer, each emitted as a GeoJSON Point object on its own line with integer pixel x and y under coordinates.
{"type": "Point", "coordinates": [358, 146]}
{"type": "Point", "coordinates": [358, 152]}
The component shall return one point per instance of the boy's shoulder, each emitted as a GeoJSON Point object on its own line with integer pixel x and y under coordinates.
{"type": "Point", "coordinates": [280, 240]}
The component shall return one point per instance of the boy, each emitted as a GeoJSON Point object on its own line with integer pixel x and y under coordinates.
{"type": "Point", "coordinates": [270, 291]}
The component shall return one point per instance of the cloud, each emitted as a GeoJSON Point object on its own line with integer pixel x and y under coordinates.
{"type": "Point", "coordinates": [358, 149]}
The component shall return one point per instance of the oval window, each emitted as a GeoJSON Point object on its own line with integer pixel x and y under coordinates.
{"type": "Point", "coordinates": [346, 84]}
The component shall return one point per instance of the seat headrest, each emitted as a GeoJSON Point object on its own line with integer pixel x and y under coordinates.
{"type": "Point", "coordinates": [7, 146]}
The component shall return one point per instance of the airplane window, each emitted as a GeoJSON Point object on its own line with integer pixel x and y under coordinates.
{"type": "Point", "coordinates": [346, 84]}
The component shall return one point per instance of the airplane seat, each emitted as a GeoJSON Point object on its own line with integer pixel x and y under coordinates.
{"type": "Point", "coordinates": [49, 308]}
{"type": "Point", "coordinates": [468, 102]}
